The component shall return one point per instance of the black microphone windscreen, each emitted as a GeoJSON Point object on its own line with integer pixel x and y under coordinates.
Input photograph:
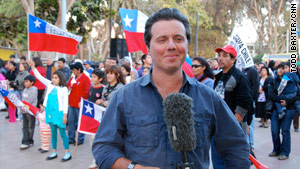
{"type": "Point", "coordinates": [178, 115]}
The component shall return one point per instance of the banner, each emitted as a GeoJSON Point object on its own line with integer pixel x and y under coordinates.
{"type": "Point", "coordinates": [90, 115]}
{"type": "Point", "coordinates": [133, 22]}
{"type": "Point", "coordinates": [43, 36]}
{"type": "Point", "coordinates": [244, 58]}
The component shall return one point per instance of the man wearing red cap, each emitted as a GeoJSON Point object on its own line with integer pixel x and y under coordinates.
{"type": "Point", "coordinates": [232, 85]}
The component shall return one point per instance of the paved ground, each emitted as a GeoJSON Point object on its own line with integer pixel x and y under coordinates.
{"type": "Point", "coordinates": [13, 158]}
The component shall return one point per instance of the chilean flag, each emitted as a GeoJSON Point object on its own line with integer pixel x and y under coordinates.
{"type": "Point", "coordinates": [90, 116]}
{"type": "Point", "coordinates": [134, 27]}
{"type": "Point", "coordinates": [43, 36]}
{"type": "Point", "coordinates": [187, 66]}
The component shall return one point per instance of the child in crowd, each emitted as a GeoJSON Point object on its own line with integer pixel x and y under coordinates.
{"type": "Point", "coordinates": [56, 108]}
{"type": "Point", "coordinates": [45, 131]}
{"type": "Point", "coordinates": [95, 94]}
{"type": "Point", "coordinates": [288, 88]}
{"type": "Point", "coordinates": [29, 95]}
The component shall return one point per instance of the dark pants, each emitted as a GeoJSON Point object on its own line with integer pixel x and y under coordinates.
{"type": "Point", "coordinates": [282, 147]}
{"type": "Point", "coordinates": [40, 97]}
{"type": "Point", "coordinates": [73, 114]}
{"type": "Point", "coordinates": [296, 121]}
{"type": "Point", "coordinates": [28, 128]}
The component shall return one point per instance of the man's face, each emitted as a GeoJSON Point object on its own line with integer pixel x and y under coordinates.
{"type": "Point", "coordinates": [168, 47]}
{"type": "Point", "coordinates": [87, 66]}
{"type": "Point", "coordinates": [49, 62]}
{"type": "Point", "coordinates": [113, 62]}
{"type": "Point", "coordinates": [224, 60]}
{"type": "Point", "coordinates": [12, 59]}
{"type": "Point", "coordinates": [107, 62]}
{"type": "Point", "coordinates": [61, 64]}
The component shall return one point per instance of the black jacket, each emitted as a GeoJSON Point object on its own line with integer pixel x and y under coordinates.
{"type": "Point", "coordinates": [272, 92]}
{"type": "Point", "coordinates": [236, 90]}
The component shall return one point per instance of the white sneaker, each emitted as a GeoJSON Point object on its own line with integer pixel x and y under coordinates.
{"type": "Point", "coordinates": [24, 146]}
{"type": "Point", "coordinates": [92, 166]}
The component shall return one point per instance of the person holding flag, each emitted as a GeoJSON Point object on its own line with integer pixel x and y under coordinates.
{"type": "Point", "coordinates": [56, 108]}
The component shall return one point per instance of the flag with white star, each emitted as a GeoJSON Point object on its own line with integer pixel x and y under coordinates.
{"type": "Point", "coordinates": [90, 115]}
{"type": "Point", "coordinates": [43, 36]}
{"type": "Point", "coordinates": [133, 22]}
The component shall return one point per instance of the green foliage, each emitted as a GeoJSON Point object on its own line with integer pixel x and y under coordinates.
{"type": "Point", "coordinates": [13, 21]}
{"type": "Point", "coordinates": [258, 58]}
{"type": "Point", "coordinates": [47, 10]}
{"type": "Point", "coordinates": [84, 13]}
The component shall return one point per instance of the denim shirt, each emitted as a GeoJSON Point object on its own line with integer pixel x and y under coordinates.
{"type": "Point", "coordinates": [133, 127]}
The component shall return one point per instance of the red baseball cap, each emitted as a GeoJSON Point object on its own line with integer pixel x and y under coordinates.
{"type": "Point", "coordinates": [228, 49]}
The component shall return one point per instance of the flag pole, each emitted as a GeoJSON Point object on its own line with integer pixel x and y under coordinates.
{"type": "Point", "coordinates": [130, 60]}
{"type": "Point", "coordinates": [76, 144]}
{"type": "Point", "coordinates": [28, 52]}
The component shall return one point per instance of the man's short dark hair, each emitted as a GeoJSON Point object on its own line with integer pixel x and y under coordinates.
{"type": "Point", "coordinates": [143, 57]}
{"type": "Point", "coordinates": [62, 60]}
{"type": "Point", "coordinates": [30, 78]}
{"type": "Point", "coordinates": [115, 60]}
{"type": "Point", "coordinates": [166, 14]}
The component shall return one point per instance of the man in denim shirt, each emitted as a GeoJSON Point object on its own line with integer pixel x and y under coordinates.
{"type": "Point", "coordinates": [133, 134]}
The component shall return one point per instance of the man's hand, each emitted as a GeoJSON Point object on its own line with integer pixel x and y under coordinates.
{"type": "Point", "coordinates": [283, 102]}
{"type": "Point", "coordinates": [238, 117]}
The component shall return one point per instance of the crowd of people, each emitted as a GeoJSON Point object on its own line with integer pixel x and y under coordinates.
{"type": "Point", "coordinates": [226, 100]}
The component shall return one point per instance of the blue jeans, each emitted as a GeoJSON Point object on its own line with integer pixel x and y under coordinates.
{"type": "Point", "coordinates": [284, 147]}
{"type": "Point", "coordinates": [251, 132]}
{"type": "Point", "coordinates": [73, 114]}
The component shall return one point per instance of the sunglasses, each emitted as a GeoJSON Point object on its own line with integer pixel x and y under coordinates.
{"type": "Point", "coordinates": [196, 66]}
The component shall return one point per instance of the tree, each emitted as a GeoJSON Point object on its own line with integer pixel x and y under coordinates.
{"type": "Point", "coordinates": [271, 20]}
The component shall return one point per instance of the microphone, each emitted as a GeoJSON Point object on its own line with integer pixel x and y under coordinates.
{"type": "Point", "coordinates": [178, 115]}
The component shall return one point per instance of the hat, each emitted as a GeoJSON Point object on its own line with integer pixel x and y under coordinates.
{"type": "Point", "coordinates": [78, 60]}
{"type": "Point", "coordinates": [126, 59]}
{"type": "Point", "coordinates": [76, 65]}
{"type": "Point", "coordinates": [12, 56]}
{"type": "Point", "coordinates": [228, 49]}
{"type": "Point", "coordinates": [87, 62]}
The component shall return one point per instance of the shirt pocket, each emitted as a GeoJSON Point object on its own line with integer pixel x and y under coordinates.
{"type": "Point", "coordinates": [144, 131]}
{"type": "Point", "coordinates": [202, 130]}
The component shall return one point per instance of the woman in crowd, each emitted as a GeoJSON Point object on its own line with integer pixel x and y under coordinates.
{"type": "Point", "coordinates": [202, 71]}
{"type": "Point", "coordinates": [12, 71]}
{"type": "Point", "coordinates": [126, 71]}
{"type": "Point", "coordinates": [281, 147]}
{"type": "Point", "coordinates": [21, 76]}
{"type": "Point", "coordinates": [263, 97]}
{"type": "Point", "coordinates": [115, 80]}
{"type": "Point", "coordinates": [40, 86]}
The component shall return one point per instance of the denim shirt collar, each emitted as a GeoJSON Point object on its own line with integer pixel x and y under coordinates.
{"type": "Point", "coordinates": [148, 79]}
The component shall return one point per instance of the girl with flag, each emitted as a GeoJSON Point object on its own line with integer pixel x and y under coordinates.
{"type": "Point", "coordinates": [56, 108]}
